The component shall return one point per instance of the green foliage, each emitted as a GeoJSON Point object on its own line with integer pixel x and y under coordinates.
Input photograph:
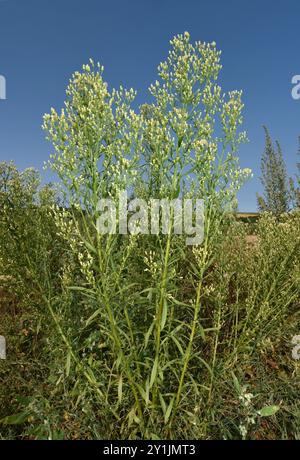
{"type": "Point", "coordinates": [141, 336]}
{"type": "Point", "coordinates": [295, 187]}
{"type": "Point", "coordinates": [276, 198]}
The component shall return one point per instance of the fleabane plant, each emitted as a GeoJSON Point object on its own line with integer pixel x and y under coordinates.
{"type": "Point", "coordinates": [95, 137]}
{"type": "Point", "coordinates": [191, 133]}
{"type": "Point", "coordinates": [183, 144]}
{"type": "Point", "coordinates": [192, 129]}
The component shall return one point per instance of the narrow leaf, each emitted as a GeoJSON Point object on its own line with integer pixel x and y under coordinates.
{"type": "Point", "coordinates": [164, 314]}
{"type": "Point", "coordinates": [169, 410]}
{"type": "Point", "coordinates": [15, 419]}
{"type": "Point", "coordinates": [267, 411]}
{"type": "Point", "coordinates": [68, 364]}
{"type": "Point", "coordinates": [120, 389]}
{"type": "Point", "coordinates": [154, 372]}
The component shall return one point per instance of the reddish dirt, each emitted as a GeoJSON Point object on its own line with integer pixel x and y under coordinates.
{"type": "Point", "coordinates": [252, 239]}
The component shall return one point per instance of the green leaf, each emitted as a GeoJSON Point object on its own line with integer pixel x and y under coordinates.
{"type": "Point", "coordinates": [15, 419]}
{"type": "Point", "coordinates": [92, 317]}
{"type": "Point", "coordinates": [147, 335]}
{"type": "Point", "coordinates": [181, 304]}
{"type": "Point", "coordinates": [153, 372]}
{"type": "Point", "coordinates": [126, 288]}
{"type": "Point", "coordinates": [87, 292]}
{"type": "Point", "coordinates": [143, 393]}
{"type": "Point", "coordinates": [147, 391]}
{"type": "Point", "coordinates": [120, 389]}
{"type": "Point", "coordinates": [90, 247]}
{"type": "Point", "coordinates": [177, 343]}
{"type": "Point", "coordinates": [202, 333]}
{"type": "Point", "coordinates": [268, 411]}
{"type": "Point", "coordinates": [169, 410]}
{"type": "Point", "coordinates": [162, 403]}
{"type": "Point", "coordinates": [58, 435]}
{"type": "Point", "coordinates": [236, 383]}
{"type": "Point", "coordinates": [164, 314]}
{"type": "Point", "coordinates": [68, 364]}
{"type": "Point", "coordinates": [206, 365]}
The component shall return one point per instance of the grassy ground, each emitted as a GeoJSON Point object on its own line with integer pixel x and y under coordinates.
{"type": "Point", "coordinates": [40, 399]}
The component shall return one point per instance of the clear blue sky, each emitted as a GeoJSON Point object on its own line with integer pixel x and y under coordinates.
{"type": "Point", "coordinates": [42, 42]}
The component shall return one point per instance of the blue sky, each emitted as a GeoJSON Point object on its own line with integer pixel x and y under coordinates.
{"type": "Point", "coordinates": [42, 42]}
